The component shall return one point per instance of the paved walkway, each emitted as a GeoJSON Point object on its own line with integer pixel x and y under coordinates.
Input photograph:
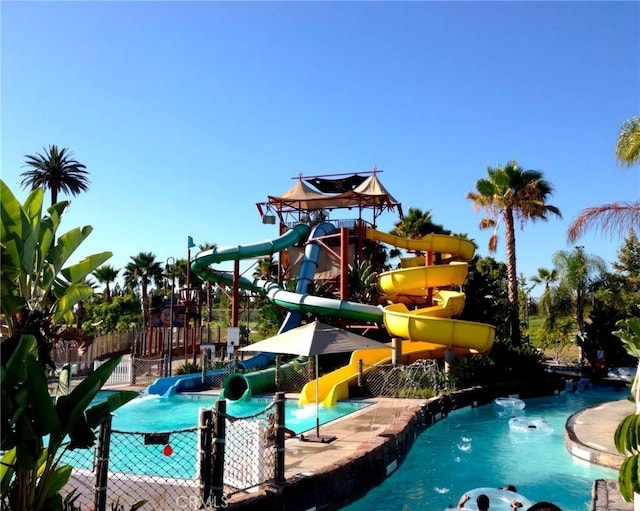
{"type": "Point", "coordinates": [353, 433]}
{"type": "Point", "coordinates": [589, 436]}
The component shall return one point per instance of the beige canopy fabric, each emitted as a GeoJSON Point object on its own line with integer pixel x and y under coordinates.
{"type": "Point", "coordinates": [315, 338]}
{"type": "Point", "coordinates": [370, 193]}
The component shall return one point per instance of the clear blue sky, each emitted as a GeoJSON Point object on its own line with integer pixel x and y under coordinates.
{"type": "Point", "coordinates": [188, 113]}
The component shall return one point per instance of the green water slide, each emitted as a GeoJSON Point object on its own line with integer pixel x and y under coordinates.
{"type": "Point", "coordinates": [241, 386]}
{"type": "Point", "coordinates": [272, 290]}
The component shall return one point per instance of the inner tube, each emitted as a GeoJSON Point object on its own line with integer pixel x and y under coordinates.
{"type": "Point", "coordinates": [499, 499]}
{"type": "Point", "coordinates": [537, 426]}
{"type": "Point", "coordinates": [509, 402]}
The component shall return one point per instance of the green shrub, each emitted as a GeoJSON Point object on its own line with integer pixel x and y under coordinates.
{"type": "Point", "coordinates": [188, 368]}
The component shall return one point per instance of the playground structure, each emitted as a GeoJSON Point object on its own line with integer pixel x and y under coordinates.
{"type": "Point", "coordinates": [419, 299]}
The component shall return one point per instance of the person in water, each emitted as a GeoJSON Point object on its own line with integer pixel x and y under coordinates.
{"type": "Point", "coordinates": [482, 501]}
{"type": "Point", "coordinates": [544, 506]}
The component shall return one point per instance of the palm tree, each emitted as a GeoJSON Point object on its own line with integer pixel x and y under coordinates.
{"type": "Point", "coordinates": [508, 193]}
{"type": "Point", "coordinates": [266, 269]}
{"type": "Point", "coordinates": [615, 217]}
{"type": "Point", "coordinates": [57, 171]}
{"type": "Point", "coordinates": [547, 277]}
{"type": "Point", "coordinates": [628, 145]}
{"type": "Point", "coordinates": [202, 248]}
{"type": "Point", "coordinates": [577, 272]}
{"type": "Point", "coordinates": [142, 270]}
{"type": "Point", "coordinates": [414, 225]}
{"type": "Point", "coordinates": [106, 274]}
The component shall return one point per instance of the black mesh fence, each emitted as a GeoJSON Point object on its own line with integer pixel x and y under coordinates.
{"type": "Point", "coordinates": [192, 468]}
{"type": "Point", "coordinates": [421, 379]}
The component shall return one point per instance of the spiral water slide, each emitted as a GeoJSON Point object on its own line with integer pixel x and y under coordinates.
{"type": "Point", "coordinates": [426, 332]}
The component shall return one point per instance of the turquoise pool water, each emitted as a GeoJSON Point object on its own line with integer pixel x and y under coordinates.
{"type": "Point", "coordinates": [137, 450]}
{"type": "Point", "coordinates": [155, 413]}
{"type": "Point", "coordinates": [475, 447]}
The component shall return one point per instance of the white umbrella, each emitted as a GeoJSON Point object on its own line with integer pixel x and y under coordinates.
{"type": "Point", "coordinates": [315, 339]}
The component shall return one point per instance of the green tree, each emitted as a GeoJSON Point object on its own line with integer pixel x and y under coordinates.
{"type": "Point", "coordinates": [578, 272]}
{"type": "Point", "coordinates": [627, 269]}
{"type": "Point", "coordinates": [628, 144]}
{"type": "Point", "coordinates": [106, 275]}
{"type": "Point", "coordinates": [486, 294]}
{"type": "Point", "coordinates": [142, 271]}
{"type": "Point", "coordinates": [614, 217]}
{"type": "Point", "coordinates": [547, 277]}
{"type": "Point", "coordinates": [414, 225]}
{"type": "Point", "coordinates": [120, 315]}
{"type": "Point", "coordinates": [509, 193]}
{"type": "Point", "coordinates": [266, 269]}
{"type": "Point", "coordinates": [57, 171]}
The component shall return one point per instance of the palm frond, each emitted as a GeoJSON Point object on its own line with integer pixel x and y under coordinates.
{"type": "Point", "coordinates": [611, 219]}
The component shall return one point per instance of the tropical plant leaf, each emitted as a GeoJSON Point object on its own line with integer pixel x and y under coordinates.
{"type": "Point", "coordinates": [67, 244]}
{"type": "Point", "coordinates": [71, 408]}
{"type": "Point", "coordinates": [628, 480]}
{"type": "Point", "coordinates": [625, 436]}
{"type": "Point", "coordinates": [58, 480]}
{"type": "Point", "coordinates": [66, 301]}
{"type": "Point", "coordinates": [97, 414]}
{"type": "Point", "coordinates": [44, 420]}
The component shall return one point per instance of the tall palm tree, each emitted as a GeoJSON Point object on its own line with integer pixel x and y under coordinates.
{"type": "Point", "coordinates": [508, 193]}
{"type": "Point", "coordinates": [142, 270]}
{"type": "Point", "coordinates": [615, 217]}
{"type": "Point", "coordinates": [57, 171]}
{"type": "Point", "coordinates": [106, 274]}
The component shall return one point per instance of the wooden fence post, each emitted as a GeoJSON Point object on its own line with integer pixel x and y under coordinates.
{"type": "Point", "coordinates": [206, 472]}
{"type": "Point", "coordinates": [102, 466]}
{"type": "Point", "coordinates": [279, 468]}
{"type": "Point", "coordinates": [217, 476]}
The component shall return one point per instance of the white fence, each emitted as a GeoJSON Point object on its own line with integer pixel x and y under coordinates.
{"type": "Point", "coordinates": [121, 375]}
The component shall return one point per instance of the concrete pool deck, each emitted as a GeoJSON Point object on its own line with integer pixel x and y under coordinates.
{"type": "Point", "coordinates": [589, 436]}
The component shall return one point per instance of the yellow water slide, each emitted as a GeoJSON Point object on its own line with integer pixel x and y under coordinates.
{"type": "Point", "coordinates": [426, 332]}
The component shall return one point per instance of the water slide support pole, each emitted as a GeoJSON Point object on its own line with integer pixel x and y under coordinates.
{"type": "Point", "coordinates": [396, 352]}
{"type": "Point", "coordinates": [344, 263]}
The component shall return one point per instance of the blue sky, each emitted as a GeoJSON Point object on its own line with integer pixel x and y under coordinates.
{"type": "Point", "coordinates": [188, 113]}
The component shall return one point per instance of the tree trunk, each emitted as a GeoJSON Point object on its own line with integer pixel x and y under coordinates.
{"type": "Point", "coordinates": [512, 278]}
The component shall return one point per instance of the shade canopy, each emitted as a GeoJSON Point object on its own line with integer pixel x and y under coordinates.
{"type": "Point", "coordinates": [311, 340]}
{"type": "Point", "coordinates": [315, 338]}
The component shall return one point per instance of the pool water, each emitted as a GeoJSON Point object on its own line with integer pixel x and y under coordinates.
{"type": "Point", "coordinates": [138, 450]}
{"type": "Point", "coordinates": [475, 447]}
{"type": "Point", "coordinates": [155, 413]}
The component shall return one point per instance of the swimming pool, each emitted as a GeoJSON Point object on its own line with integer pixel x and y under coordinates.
{"type": "Point", "coordinates": [475, 447]}
{"type": "Point", "coordinates": [152, 413]}
{"type": "Point", "coordinates": [140, 445]}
